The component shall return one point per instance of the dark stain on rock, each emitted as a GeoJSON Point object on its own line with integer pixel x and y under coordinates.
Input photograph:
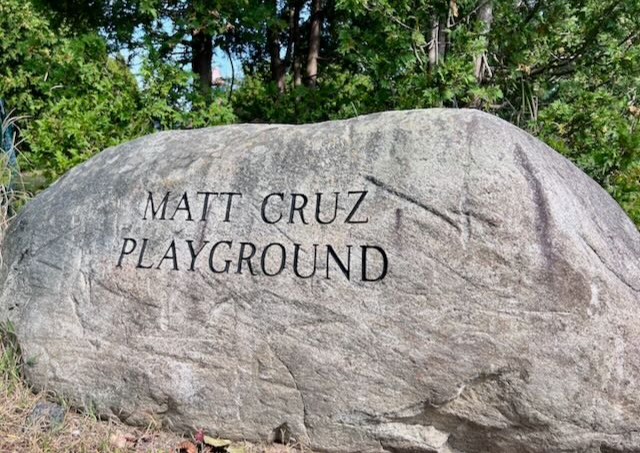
{"type": "Point", "coordinates": [543, 214]}
{"type": "Point", "coordinates": [568, 287]}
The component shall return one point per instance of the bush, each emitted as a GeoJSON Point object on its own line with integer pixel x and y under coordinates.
{"type": "Point", "coordinates": [597, 130]}
{"type": "Point", "coordinates": [77, 100]}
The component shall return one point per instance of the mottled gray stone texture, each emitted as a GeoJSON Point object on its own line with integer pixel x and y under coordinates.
{"type": "Point", "coordinates": [508, 320]}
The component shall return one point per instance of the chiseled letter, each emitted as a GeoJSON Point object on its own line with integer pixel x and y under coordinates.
{"type": "Point", "coordinates": [194, 254]}
{"type": "Point", "coordinates": [263, 259]}
{"type": "Point", "coordinates": [385, 263]}
{"type": "Point", "coordinates": [363, 193]}
{"type": "Point", "coordinates": [263, 209]}
{"type": "Point", "coordinates": [346, 270]}
{"type": "Point", "coordinates": [229, 201]}
{"type": "Point", "coordinates": [154, 211]}
{"type": "Point", "coordinates": [183, 205]}
{"type": "Point", "coordinates": [319, 209]}
{"type": "Point", "coordinates": [227, 263]}
{"type": "Point", "coordinates": [295, 208]}
{"type": "Point", "coordinates": [141, 256]}
{"type": "Point", "coordinates": [205, 205]}
{"type": "Point", "coordinates": [296, 256]}
{"type": "Point", "coordinates": [243, 258]}
{"type": "Point", "coordinates": [172, 256]}
{"type": "Point", "coordinates": [125, 251]}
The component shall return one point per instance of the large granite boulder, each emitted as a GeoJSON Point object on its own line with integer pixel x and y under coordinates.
{"type": "Point", "coordinates": [425, 281]}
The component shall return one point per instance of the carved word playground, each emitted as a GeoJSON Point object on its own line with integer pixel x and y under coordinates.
{"type": "Point", "coordinates": [370, 263]}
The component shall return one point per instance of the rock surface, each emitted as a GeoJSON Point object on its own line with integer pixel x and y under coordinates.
{"type": "Point", "coordinates": [507, 318]}
{"type": "Point", "coordinates": [47, 415]}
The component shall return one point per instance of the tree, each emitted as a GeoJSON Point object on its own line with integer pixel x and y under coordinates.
{"type": "Point", "coordinates": [181, 31]}
{"type": "Point", "coordinates": [71, 99]}
{"type": "Point", "coordinates": [74, 100]}
{"type": "Point", "coordinates": [565, 71]}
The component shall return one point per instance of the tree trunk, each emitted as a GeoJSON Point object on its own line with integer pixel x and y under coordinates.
{"type": "Point", "coordinates": [433, 44]}
{"type": "Point", "coordinates": [201, 58]}
{"type": "Point", "coordinates": [277, 68]}
{"type": "Point", "coordinates": [273, 46]}
{"type": "Point", "coordinates": [295, 32]}
{"type": "Point", "coordinates": [485, 16]}
{"type": "Point", "coordinates": [315, 25]}
{"type": "Point", "coordinates": [442, 39]}
{"type": "Point", "coordinates": [297, 72]}
{"type": "Point", "coordinates": [438, 43]}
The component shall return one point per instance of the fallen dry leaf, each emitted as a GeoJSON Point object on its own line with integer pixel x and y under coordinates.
{"type": "Point", "coordinates": [186, 447]}
{"type": "Point", "coordinates": [117, 440]}
{"type": "Point", "coordinates": [454, 8]}
{"type": "Point", "coordinates": [216, 442]}
{"type": "Point", "coordinates": [235, 448]}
